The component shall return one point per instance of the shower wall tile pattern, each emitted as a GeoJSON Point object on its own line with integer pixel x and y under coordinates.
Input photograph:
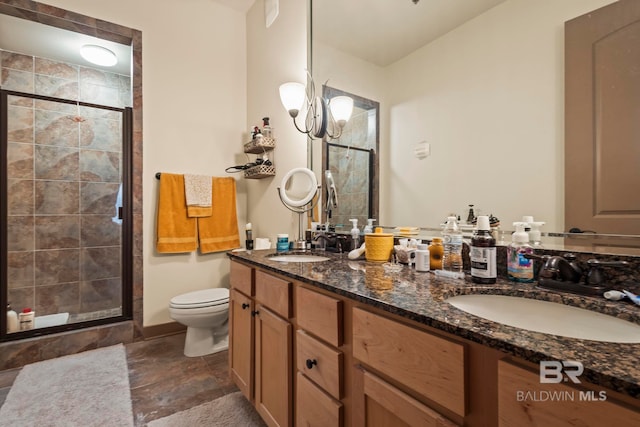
{"type": "Point", "coordinates": [64, 172]}
{"type": "Point", "coordinates": [350, 168]}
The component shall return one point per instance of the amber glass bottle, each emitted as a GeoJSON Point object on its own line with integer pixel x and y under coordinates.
{"type": "Point", "coordinates": [482, 253]}
{"type": "Point", "coordinates": [436, 250]}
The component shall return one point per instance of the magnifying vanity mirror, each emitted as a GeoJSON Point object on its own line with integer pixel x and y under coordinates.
{"type": "Point", "coordinates": [298, 190]}
{"type": "Point", "coordinates": [481, 83]}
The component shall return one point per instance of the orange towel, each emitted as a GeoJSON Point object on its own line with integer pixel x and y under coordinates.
{"type": "Point", "coordinates": [219, 232]}
{"type": "Point", "coordinates": [176, 232]}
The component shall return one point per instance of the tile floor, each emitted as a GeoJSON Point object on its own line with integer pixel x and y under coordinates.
{"type": "Point", "coordinates": [163, 381]}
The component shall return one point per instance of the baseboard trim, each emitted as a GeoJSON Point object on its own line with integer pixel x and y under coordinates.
{"type": "Point", "coordinates": [163, 330]}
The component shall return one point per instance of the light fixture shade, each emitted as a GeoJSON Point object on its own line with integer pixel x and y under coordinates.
{"type": "Point", "coordinates": [98, 55]}
{"type": "Point", "coordinates": [292, 95]}
{"type": "Point", "coordinates": [341, 109]}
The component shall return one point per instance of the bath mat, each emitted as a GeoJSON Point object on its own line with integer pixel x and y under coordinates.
{"type": "Point", "coordinates": [229, 410]}
{"type": "Point", "coordinates": [85, 389]}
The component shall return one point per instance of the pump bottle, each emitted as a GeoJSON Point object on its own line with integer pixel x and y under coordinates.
{"type": "Point", "coordinates": [519, 268]}
{"type": "Point", "coordinates": [369, 227]}
{"type": "Point", "coordinates": [355, 234]}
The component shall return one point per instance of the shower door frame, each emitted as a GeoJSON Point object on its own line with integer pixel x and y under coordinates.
{"type": "Point", "coordinates": [127, 219]}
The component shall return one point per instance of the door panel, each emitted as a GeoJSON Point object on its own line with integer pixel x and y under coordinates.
{"type": "Point", "coordinates": [602, 130]}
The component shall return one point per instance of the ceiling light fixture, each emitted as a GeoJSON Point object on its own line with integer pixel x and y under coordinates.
{"type": "Point", "coordinates": [98, 55]}
{"type": "Point", "coordinates": [323, 118]}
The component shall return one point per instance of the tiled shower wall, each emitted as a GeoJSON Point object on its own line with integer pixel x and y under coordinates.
{"type": "Point", "coordinates": [350, 168]}
{"type": "Point", "coordinates": [64, 172]}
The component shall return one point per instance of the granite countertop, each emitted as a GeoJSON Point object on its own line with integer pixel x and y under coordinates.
{"type": "Point", "coordinates": [421, 297]}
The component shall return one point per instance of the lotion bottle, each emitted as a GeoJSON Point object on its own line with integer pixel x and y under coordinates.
{"type": "Point", "coordinates": [355, 234]}
{"type": "Point", "coordinates": [369, 227]}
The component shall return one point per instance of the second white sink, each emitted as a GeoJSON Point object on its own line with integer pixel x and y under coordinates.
{"type": "Point", "coordinates": [548, 317]}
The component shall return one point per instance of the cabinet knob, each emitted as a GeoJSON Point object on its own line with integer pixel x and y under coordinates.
{"type": "Point", "coordinates": [245, 305]}
{"type": "Point", "coordinates": [255, 313]}
{"type": "Point", "coordinates": [310, 363]}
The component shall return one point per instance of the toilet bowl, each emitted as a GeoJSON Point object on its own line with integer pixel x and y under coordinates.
{"type": "Point", "coordinates": [205, 313]}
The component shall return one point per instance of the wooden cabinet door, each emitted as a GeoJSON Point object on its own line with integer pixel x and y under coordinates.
{"type": "Point", "coordinates": [241, 342]}
{"type": "Point", "coordinates": [274, 368]}
{"type": "Point", "coordinates": [524, 402]}
{"type": "Point", "coordinates": [384, 405]}
{"type": "Point", "coordinates": [315, 408]}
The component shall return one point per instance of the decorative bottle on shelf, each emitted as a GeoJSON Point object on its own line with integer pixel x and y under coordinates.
{"type": "Point", "coordinates": [436, 250]}
{"type": "Point", "coordinates": [452, 239]}
{"type": "Point", "coordinates": [267, 132]}
{"type": "Point", "coordinates": [482, 253]}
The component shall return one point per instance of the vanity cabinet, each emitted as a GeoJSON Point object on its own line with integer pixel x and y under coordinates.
{"type": "Point", "coordinates": [420, 362]}
{"type": "Point", "coordinates": [524, 401]}
{"type": "Point", "coordinates": [319, 361]}
{"type": "Point", "coordinates": [260, 342]}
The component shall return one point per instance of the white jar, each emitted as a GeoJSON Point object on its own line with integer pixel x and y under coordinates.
{"type": "Point", "coordinates": [422, 258]}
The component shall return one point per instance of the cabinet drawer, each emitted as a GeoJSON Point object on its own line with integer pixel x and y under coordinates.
{"type": "Point", "coordinates": [385, 405]}
{"type": "Point", "coordinates": [274, 293]}
{"type": "Point", "coordinates": [321, 363]}
{"type": "Point", "coordinates": [524, 401]}
{"type": "Point", "coordinates": [428, 364]}
{"type": "Point", "coordinates": [319, 314]}
{"type": "Point", "coordinates": [314, 408]}
{"type": "Point", "coordinates": [241, 278]}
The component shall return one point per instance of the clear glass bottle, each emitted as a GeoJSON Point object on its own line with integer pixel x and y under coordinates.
{"type": "Point", "coordinates": [482, 253]}
{"type": "Point", "coordinates": [452, 240]}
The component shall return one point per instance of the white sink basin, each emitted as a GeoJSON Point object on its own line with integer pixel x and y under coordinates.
{"type": "Point", "coordinates": [299, 258]}
{"type": "Point", "coordinates": [548, 317]}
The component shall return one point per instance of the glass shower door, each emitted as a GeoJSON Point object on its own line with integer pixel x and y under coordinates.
{"type": "Point", "coordinates": [64, 237]}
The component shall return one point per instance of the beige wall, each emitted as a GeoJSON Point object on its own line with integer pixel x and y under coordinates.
{"type": "Point", "coordinates": [489, 97]}
{"type": "Point", "coordinates": [275, 55]}
{"type": "Point", "coordinates": [195, 106]}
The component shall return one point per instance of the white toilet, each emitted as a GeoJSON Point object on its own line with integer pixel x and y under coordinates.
{"type": "Point", "coordinates": [205, 313]}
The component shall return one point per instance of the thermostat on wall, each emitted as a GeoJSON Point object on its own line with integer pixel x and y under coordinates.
{"type": "Point", "coordinates": [422, 150]}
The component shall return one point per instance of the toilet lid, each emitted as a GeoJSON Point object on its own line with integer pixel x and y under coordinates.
{"type": "Point", "coordinates": [203, 298]}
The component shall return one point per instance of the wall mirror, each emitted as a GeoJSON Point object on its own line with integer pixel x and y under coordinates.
{"type": "Point", "coordinates": [482, 85]}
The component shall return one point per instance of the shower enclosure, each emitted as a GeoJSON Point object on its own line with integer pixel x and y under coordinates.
{"type": "Point", "coordinates": [65, 172]}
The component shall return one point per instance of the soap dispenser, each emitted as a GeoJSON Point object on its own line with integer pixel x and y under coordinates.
{"type": "Point", "coordinates": [369, 227]}
{"type": "Point", "coordinates": [355, 234]}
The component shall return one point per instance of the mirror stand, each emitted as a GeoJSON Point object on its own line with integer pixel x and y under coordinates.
{"type": "Point", "coordinates": [301, 243]}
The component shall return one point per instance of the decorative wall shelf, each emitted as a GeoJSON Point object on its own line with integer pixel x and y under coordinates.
{"type": "Point", "coordinates": [260, 146]}
{"type": "Point", "coordinates": [260, 171]}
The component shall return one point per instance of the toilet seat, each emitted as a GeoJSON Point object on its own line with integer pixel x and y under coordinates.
{"type": "Point", "coordinates": [201, 299]}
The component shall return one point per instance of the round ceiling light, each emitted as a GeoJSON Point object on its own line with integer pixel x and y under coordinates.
{"type": "Point", "coordinates": [98, 55]}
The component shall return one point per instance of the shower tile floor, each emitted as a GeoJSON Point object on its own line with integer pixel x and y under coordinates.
{"type": "Point", "coordinates": [162, 380]}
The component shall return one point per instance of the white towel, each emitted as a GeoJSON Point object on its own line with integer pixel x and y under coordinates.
{"type": "Point", "coordinates": [198, 191]}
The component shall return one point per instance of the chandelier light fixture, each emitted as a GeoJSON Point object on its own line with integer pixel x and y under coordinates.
{"type": "Point", "coordinates": [323, 118]}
